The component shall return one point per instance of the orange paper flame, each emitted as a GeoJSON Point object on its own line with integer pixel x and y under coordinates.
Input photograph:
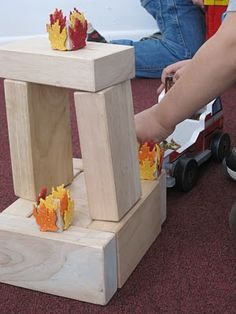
{"type": "Point", "coordinates": [150, 160]}
{"type": "Point", "coordinates": [55, 211]}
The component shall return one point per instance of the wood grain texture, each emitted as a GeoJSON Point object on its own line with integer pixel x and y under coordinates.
{"type": "Point", "coordinates": [139, 227]}
{"type": "Point", "coordinates": [77, 166]}
{"type": "Point", "coordinates": [39, 135]}
{"type": "Point", "coordinates": [79, 195]}
{"type": "Point", "coordinates": [57, 263]}
{"type": "Point", "coordinates": [134, 233]}
{"type": "Point", "coordinates": [92, 68]}
{"type": "Point", "coordinates": [109, 150]}
{"type": "Point", "coordinates": [21, 207]}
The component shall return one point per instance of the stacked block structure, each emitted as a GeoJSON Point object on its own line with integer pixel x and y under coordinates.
{"type": "Point", "coordinates": [117, 217]}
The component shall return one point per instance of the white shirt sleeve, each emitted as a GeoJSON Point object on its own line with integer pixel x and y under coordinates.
{"type": "Point", "coordinates": [231, 5]}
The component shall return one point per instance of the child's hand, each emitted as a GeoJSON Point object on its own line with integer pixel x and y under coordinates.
{"type": "Point", "coordinates": [175, 69]}
{"type": "Point", "coordinates": [148, 128]}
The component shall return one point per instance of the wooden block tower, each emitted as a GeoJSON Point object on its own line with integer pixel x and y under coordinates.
{"type": "Point", "coordinates": [117, 217]}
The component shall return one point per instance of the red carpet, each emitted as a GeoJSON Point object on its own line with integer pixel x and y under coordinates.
{"type": "Point", "coordinates": [191, 267]}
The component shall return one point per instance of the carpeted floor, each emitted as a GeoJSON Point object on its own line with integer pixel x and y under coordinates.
{"type": "Point", "coordinates": [190, 268]}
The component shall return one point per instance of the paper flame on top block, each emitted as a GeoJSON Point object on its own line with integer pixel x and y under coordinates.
{"type": "Point", "coordinates": [55, 211]}
{"type": "Point", "coordinates": [150, 160]}
{"type": "Point", "coordinates": [65, 35]}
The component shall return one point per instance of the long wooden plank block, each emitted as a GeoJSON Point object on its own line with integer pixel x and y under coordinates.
{"type": "Point", "coordinates": [78, 263]}
{"type": "Point", "coordinates": [40, 136]}
{"type": "Point", "coordinates": [109, 150]}
{"type": "Point", "coordinates": [92, 68]}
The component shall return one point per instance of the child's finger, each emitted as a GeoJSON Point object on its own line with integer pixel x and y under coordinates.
{"type": "Point", "coordinates": [160, 88]}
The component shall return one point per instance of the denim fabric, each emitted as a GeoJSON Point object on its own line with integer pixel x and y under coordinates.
{"type": "Point", "coordinates": [182, 27]}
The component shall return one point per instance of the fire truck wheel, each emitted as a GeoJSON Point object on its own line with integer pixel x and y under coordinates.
{"type": "Point", "coordinates": [232, 219]}
{"type": "Point", "coordinates": [186, 174]}
{"type": "Point", "coordinates": [220, 146]}
{"type": "Point", "coordinates": [230, 164]}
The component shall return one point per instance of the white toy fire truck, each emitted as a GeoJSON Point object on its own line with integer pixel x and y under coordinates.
{"type": "Point", "coordinates": [199, 138]}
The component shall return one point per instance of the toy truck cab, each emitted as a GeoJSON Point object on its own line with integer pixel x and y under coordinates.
{"type": "Point", "coordinates": [199, 138]}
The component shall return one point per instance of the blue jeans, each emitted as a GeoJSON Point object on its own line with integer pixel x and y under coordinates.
{"type": "Point", "coordinates": [182, 32]}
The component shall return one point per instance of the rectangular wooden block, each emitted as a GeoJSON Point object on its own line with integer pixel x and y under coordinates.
{"type": "Point", "coordinates": [92, 68]}
{"type": "Point", "coordinates": [78, 263]}
{"type": "Point", "coordinates": [132, 237]}
{"type": "Point", "coordinates": [109, 150]}
{"type": "Point", "coordinates": [40, 136]}
{"type": "Point", "coordinates": [139, 228]}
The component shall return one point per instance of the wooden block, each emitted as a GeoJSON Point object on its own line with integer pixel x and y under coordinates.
{"type": "Point", "coordinates": [92, 68]}
{"type": "Point", "coordinates": [40, 136]}
{"type": "Point", "coordinates": [20, 207]}
{"type": "Point", "coordinates": [79, 195]}
{"type": "Point", "coordinates": [139, 228]}
{"type": "Point", "coordinates": [57, 263]}
{"type": "Point", "coordinates": [109, 150]}
{"type": "Point", "coordinates": [162, 199]}
{"type": "Point", "coordinates": [67, 273]}
{"type": "Point", "coordinates": [134, 233]}
{"type": "Point", "coordinates": [77, 166]}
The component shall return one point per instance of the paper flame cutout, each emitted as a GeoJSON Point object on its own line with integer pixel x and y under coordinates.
{"type": "Point", "coordinates": [55, 211]}
{"type": "Point", "coordinates": [150, 160]}
{"type": "Point", "coordinates": [65, 35]}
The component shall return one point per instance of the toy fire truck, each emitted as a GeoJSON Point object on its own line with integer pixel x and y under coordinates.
{"type": "Point", "coordinates": [196, 140]}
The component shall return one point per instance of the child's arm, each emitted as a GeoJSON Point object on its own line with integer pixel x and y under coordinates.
{"type": "Point", "coordinates": [211, 71]}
